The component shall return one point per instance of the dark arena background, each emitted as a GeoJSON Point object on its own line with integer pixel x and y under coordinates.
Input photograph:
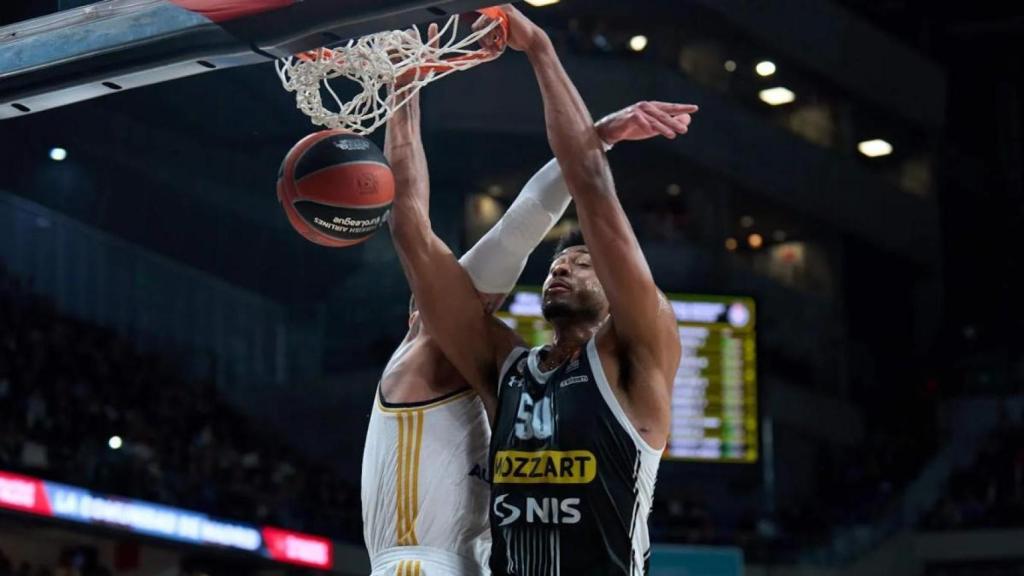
{"type": "Point", "coordinates": [185, 382]}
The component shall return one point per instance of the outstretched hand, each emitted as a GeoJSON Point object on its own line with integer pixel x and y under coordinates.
{"type": "Point", "coordinates": [522, 33]}
{"type": "Point", "coordinates": [646, 119]}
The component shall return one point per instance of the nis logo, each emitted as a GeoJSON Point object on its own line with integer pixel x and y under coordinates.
{"type": "Point", "coordinates": [538, 511]}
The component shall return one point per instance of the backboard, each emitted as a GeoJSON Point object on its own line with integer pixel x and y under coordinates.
{"type": "Point", "coordinates": [116, 45]}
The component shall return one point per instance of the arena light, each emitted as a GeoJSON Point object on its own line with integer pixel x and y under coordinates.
{"type": "Point", "coordinates": [115, 443]}
{"type": "Point", "coordinates": [731, 244]}
{"type": "Point", "coordinates": [539, 3]}
{"type": "Point", "coordinates": [875, 148]}
{"type": "Point", "coordinates": [755, 240]}
{"type": "Point", "coordinates": [730, 65]}
{"type": "Point", "coordinates": [58, 154]}
{"type": "Point", "coordinates": [776, 96]}
{"type": "Point", "coordinates": [638, 43]}
{"type": "Point", "coordinates": [673, 190]}
{"type": "Point", "coordinates": [746, 221]}
{"type": "Point", "coordinates": [765, 68]}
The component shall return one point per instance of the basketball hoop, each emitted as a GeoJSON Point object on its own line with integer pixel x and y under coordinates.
{"type": "Point", "coordinates": [390, 66]}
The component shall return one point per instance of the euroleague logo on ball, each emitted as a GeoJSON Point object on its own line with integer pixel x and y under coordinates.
{"type": "Point", "coordinates": [367, 183]}
{"type": "Point", "coordinates": [352, 144]}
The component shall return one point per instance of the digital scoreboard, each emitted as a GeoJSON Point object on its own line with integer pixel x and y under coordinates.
{"type": "Point", "coordinates": [714, 400]}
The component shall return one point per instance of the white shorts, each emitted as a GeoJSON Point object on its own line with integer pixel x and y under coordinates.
{"type": "Point", "coordinates": [424, 561]}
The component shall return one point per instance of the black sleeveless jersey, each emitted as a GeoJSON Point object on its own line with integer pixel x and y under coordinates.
{"type": "Point", "coordinates": [572, 479]}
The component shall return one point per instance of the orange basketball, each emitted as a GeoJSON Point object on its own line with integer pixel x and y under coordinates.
{"type": "Point", "coordinates": [336, 188]}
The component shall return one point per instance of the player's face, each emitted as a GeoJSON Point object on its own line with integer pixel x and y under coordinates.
{"type": "Point", "coordinates": [572, 289]}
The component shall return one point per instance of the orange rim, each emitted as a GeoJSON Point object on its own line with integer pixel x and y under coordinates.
{"type": "Point", "coordinates": [313, 55]}
{"type": "Point", "coordinates": [494, 12]}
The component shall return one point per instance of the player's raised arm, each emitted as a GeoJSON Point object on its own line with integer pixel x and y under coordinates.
{"type": "Point", "coordinates": [642, 321]}
{"type": "Point", "coordinates": [497, 260]}
{"type": "Point", "coordinates": [445, 296]}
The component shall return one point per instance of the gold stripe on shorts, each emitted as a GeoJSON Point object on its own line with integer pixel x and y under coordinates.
{"type": "Point", "coordinates": [409, 568]}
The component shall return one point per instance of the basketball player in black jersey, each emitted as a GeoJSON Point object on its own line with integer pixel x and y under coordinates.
{"type": "Point", "coordinates": [579, 425]}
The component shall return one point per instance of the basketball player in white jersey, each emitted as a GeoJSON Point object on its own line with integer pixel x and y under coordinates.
{"type": "Point", "coordinates": [579, 425]}
{"type": "Point", "coordinates": [424, 478]}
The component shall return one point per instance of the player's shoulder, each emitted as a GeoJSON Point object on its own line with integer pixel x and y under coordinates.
{"type": "Point", "coordinates": [664, 328]}
{"type": "Point", "coordinates": [658, 347]}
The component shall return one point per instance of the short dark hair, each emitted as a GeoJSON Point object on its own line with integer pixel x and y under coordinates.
{"type": "Point", "coordinates": [573, 237]}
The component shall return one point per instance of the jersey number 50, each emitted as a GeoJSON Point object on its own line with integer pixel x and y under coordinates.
{"type": "Point", "coordinates": [533, 420]}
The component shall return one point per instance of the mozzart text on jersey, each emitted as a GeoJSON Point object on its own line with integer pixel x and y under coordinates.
{"type": "Point", "coordinates": [544, 467]}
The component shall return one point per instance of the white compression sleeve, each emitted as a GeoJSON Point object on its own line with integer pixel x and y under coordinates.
{"type": "Point", "coordinates": [496, 261]}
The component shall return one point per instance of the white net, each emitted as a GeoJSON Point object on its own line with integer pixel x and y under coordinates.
{"type": "Point", "coordinates": [390, 66]}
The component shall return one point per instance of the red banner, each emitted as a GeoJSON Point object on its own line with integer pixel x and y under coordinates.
{"type": "Point", "coordinates": [227, 10]}
{"type": "Point", "coordinates": [23, 494]}
{"type": "Point", "coordinates": [296, 548]}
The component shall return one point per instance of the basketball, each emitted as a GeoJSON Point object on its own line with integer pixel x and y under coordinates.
{"type": "Point", "coordinates": [336, 188]}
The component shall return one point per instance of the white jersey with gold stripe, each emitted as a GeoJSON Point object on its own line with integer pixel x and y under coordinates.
{"type": "Point", "coordinates": [424, 482]}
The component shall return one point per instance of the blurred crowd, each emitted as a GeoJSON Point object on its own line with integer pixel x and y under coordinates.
{"type": "Point", "coordinates": [859, 487]}
{"type": "Point", "coordinates": [71, 562]}
{"type": "Point", "coordinates": [976, 568]}
{"type": "Point", "coordinates": [67, 387]}
{"type": "Point", "coordinates": [85, 561]}
{"type": "Point", "coordinates": [990, 492]}
{"type": "Point", "coordinates": [856, 485]}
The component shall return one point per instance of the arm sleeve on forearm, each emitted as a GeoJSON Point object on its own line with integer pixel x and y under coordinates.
{"type": "Point", "coordinates": [496, 261]}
